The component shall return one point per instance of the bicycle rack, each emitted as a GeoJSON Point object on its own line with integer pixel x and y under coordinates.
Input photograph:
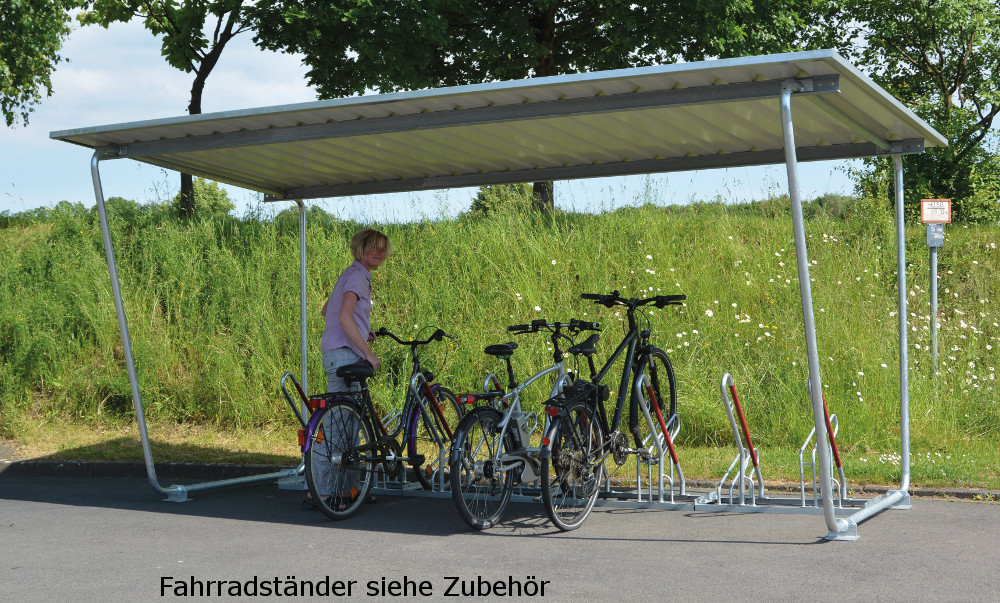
{"type": "Point", "coordinates": [663, 438]}
{"type": "Point", "coordinates": [832, 425]}
{"type": "Point", "coordinates": [747, 454]}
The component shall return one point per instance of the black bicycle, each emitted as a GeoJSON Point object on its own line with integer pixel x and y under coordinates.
{"type": "Point", "coordinates": [580, 437]}
{"type": "Point", "coordinates": [345, 441]}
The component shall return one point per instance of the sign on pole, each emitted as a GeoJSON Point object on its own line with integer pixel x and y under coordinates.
{"type": "Point", "coordinates": [935, 211]}
{"type": "Point", "coordinates": [935, 235]}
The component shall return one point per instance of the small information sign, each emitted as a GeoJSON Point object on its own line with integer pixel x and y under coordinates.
{"type": "Point", "coordinates": [935, 211]}
{"type": "Point", "coordinates": [935, 235]}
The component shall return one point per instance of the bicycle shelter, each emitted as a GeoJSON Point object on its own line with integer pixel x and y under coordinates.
{"type": "Point", "coordinates": [680, 117]}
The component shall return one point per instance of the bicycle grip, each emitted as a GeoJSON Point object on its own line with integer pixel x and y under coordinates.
{"type": "Point", "coordinates": [592, 296]}
{"type": "Point", "coordinates": [519, 328]}
{"type": "Point", "coordinates": [593, 326]}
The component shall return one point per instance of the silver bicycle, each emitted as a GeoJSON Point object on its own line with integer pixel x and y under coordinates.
{"type": "Point", "coordinates": [492, 451]}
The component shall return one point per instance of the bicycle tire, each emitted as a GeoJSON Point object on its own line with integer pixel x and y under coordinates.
{"type": "Point", "coordinates": [479, 487]}
{"type": "Point", "coordinates": [571, 472]}
{"type": "Point", "coordinates": [654, 383]}
{"type": "Point", "coordinates": [339, 488]}
{"type": "Point", "coordinates": [420, 437]}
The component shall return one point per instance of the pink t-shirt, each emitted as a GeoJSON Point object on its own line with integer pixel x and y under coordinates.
{"type": "Point", "coordinates": [356, 279]}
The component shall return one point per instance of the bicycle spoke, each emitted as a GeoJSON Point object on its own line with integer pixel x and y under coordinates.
{"type": "Point", "coordinates": [339, 466]}
{"type": "Point", "coordinates": [428, 435]}
{"type": "Point", "coordinates": [571, 472]}
{"type": "Point", "coordinates": [480, 486]}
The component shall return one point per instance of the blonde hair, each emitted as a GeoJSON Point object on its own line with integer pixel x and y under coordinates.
{"type": "Point", "coordinates": [367, 239]}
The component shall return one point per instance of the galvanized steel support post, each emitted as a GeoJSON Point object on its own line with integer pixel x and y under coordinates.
{"type": "Point", "coordinates": [173, 493]}
{"type": "Point", "coordinates": [109, 253]}
{"type": "Point", "coordinates": [835, 525]}
{"type": "Point", "coordinates": [302, 295]}
{"type": "Point", "coordinates": [904, 357]}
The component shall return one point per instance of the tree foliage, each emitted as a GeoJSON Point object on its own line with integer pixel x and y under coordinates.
{"type": "Point", "coordinates": [942, 58]}
{"type": "Point", "coordinates": [31, 35]}
{"type": "Point", "coordinates": [192, 33]}
{"type": "Point", "coordinates": [352, 46]}
{"type": "Point", "coordinates": [210, 199]}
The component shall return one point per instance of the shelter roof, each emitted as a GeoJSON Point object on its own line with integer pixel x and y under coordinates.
{"type": "Point", "coordinates": [686, 116]}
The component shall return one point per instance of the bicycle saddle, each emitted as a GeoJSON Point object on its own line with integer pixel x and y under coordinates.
{"type": "Point", "coordinates": [501, 350]}
{"type": "Point", "coordinates": [356, 372]}
{"type": "Point", "coordinates": [587, 348]}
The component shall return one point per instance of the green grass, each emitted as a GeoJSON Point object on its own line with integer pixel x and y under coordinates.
{"type": "Point", "coordinates": [212, 307]}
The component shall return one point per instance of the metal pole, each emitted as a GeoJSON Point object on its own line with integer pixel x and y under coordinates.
{"type": "Point", "coordinates": [302, 295]}
{"type": "Point", "coordinates": [109, 253]}
{"type": "Point", "coordinates": [836, 526]}
{"type": "Point", "coordinates": [904, 350]}
{"type": "Point", "coordinates": [934, 300]}
{"type": "Point", "coordinates": [898, 499]}
{"type": "Point", "coordinates": [173, 493]}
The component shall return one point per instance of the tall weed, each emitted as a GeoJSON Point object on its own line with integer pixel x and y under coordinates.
{"type": "Point", "coordinates": [213, 309]}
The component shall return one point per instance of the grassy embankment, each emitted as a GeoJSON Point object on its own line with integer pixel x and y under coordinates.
{"type": "Point", "coordinates": [213, 311]}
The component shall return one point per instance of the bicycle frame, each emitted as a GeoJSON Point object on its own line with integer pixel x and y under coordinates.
{"type": "Point", "coordinates": [510, 403]}
{"type": "Point", "coordinates": [628, 346]}
{"type": "Point", "coordinates": [634, 345]}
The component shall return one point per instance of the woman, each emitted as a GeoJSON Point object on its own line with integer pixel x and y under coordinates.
{"type": "Point", "coordinates": [345, 341]}
{"type": "Point", "coordinates": [348, 310]}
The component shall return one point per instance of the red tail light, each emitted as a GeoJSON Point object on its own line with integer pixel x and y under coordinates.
{"type": "Point", "coordinates": [546, 441]}
{"type": "Point", "coordinates": [302, 437]}
{"type": "Point", "coordinates": [552, 411]}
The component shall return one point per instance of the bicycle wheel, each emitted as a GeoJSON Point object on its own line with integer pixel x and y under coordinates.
{"type": "Point", "coordinates": [571, 471]}
{"type": "Point", "coordinates": [480, 484]}
{"type": "Point", "coordinates": [429, 433]}
{"type": "Point", "coordinates": [338, 464]}
{"type": "Point", "coordinates": [654, 386]}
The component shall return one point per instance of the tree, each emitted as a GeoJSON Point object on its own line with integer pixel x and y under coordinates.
{"type": "Point", "coordinates": [210, 199]}
{"type": "Point", "coordinates": [942, 58]}
{"type": "Point", "coordinates": [32, 34]}
{"type": "Point", "coordinates": [497, 199]}
{"type": "Point", "coordinates": [351, 46]}
{"type": "Point", "coordinates": [184, 43]}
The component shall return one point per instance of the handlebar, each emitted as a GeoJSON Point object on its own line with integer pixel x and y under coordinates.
{"type": "Point", "coordinates": [437, 335]}
{"type": "Point", "coordinates": [541, 324]}
{"type": "Point", "coordinates": [615, 299]}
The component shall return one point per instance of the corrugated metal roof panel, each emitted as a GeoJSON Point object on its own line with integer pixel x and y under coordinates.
{"type": "Point", "coordinates": [665, 118]}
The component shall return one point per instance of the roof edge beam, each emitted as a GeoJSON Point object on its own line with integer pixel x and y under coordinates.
{"type": "Point", "coordinates": [632, 101]}
{"type": "Point", "coordinates": [627, 168]}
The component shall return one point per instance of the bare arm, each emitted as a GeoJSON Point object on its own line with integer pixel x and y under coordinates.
{"type": "Point", "coordinates": [346, 318]}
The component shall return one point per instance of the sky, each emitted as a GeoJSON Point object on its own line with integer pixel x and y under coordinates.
{"type": "Point", "coordinates": [117, 75]}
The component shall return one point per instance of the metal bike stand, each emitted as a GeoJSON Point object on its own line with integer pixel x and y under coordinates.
{"type": "Point", "coordinates": [839, 484]}
{"type": "Point", "coordinates": [746, 456]}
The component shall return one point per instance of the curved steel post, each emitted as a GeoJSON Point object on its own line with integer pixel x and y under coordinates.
{"type": "Point", "coordinates": [835, 525]}
{"type": "Point", "coordinates": [109, 253]}
{"type": "Point", "coordinates": [904, 359]}
{"type": "Point", "coordinates": [898, 499]}
{"type": "Point", "coordinates": [302, 292]}
{"type": "Point", "coordinates": [173, 493]}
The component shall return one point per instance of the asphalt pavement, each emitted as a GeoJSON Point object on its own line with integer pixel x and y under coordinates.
{"type": "Point", "coordinates": [114, 538]}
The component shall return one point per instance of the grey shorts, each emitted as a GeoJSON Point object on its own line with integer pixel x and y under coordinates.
{"type": "Point", "coordinates": [334, 359]}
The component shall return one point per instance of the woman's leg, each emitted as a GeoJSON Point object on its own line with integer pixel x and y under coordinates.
{"type": "Point", "coordinates": [341, 431]}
